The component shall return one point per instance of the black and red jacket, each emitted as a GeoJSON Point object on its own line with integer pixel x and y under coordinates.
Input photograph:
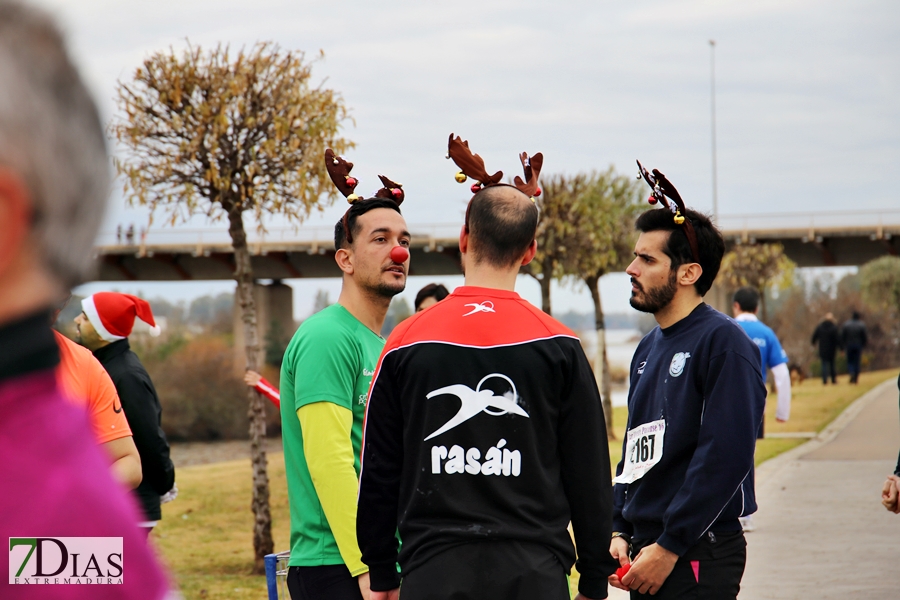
{"type": "Point", "coordinates": [484, 423]}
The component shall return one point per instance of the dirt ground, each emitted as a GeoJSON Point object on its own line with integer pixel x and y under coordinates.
{"type": "Point", "coordinates": [186, 454]}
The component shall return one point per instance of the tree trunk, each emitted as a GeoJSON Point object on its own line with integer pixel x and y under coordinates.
{"type": "Point", "coordinates": [546, 279]}
{"type": "Point", "coordinates": [243, 273]}
{"type": "Point", "coordinates": [601, 362]}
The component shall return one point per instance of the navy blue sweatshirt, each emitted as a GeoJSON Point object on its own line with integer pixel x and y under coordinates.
{"type": "Point", "coordinates": [697, 389]}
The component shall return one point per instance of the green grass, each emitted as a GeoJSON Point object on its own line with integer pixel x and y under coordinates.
{"type": "Point", "coordinates": [205, 535]}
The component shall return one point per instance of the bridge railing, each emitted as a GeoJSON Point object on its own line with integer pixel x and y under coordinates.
{"type": "Point", "coordinates": [320, 235]}
{"type": "Point", "coordinates": [430, 233]}
{"type": "Point", "coordinates": [832, 220]}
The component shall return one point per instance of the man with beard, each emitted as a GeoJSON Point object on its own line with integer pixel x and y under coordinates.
{"type": "Point", "coordinates": [694, 407]}
{"type": "Point", "coordinates": [325, 378]}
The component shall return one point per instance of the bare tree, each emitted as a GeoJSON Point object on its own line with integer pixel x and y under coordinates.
{"type": "Point", "coordinates": [760, 266]}
{"type": "Point", "coordinates": [223, 135]}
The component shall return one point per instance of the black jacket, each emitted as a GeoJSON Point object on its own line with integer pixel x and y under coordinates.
{"type": "Point", "coordinates": [853, 333]}
{"type": "Point", "coordinates": [142, 409]}
{"type": "Point", "coordinates": [484, 423]}
{"type": "Point", "coordinates": [828, 337]}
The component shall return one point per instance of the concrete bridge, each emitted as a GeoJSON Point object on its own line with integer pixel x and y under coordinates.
{"type": "Point", "coordinates": [810, 239]}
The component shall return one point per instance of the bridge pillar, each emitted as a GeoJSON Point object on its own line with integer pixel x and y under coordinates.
{"type": "Point", "coordinates": [274, 320]}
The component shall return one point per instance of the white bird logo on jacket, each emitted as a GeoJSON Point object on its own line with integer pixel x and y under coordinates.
{"type": "Point", "coordinates": [477, 401]}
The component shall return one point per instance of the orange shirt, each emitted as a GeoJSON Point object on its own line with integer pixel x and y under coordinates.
{"type": "Point", "coordinates": [85, 382]}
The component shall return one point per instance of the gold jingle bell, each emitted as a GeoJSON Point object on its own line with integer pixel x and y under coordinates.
{"type": "Point", "coordinates": [353, 198]}
{"type": "Point", "coordinates": [460, 177]}
{"type": "Point", "coordinates": [678, 218]}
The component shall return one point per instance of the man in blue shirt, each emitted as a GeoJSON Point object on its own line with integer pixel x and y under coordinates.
{"type": "Point", "coordinates": [746, 303]}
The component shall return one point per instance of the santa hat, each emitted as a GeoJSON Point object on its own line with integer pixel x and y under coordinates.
{"type": "Point", "coordinates": [112, 314]}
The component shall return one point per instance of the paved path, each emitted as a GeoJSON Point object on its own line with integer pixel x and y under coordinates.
{"type": "Point", "coordinates": [821, 529]}
{"type": "Point", "coordinates": [822, 532]}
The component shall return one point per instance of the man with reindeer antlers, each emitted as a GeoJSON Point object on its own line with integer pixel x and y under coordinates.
{"type": "Point", "coordinates": [325, 379]}
{"type": "Point", "coordinates": [484, 433]}
{"type": "Point", "coordinates": [695, 405]}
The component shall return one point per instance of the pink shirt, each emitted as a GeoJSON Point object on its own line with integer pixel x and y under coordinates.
{"type": "Point", "coordinates": [55, 482]}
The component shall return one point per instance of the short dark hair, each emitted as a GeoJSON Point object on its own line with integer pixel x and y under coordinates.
{"type": "Point", "coordinates": [432, 290]}
{"type": "Point", "coordinates": [358, 208]}
{"type": "Point", "coordinates": [747, 298]}
{"type": "Point", "coordinates": [500, 227]}
{"type": "Point", "coordinates": [710, 243]}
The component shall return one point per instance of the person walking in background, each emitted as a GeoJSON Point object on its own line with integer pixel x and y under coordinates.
{"type": "Point", "coordinates": [325, 376]}
{"type": "Point", "coordinates": [828, 337]}
{"type": "Point", "coordinates": [854, 339]}
{"type": "Point", "coordinates": [103, 328]}
{"type": "Point", "coordinates": [55, 480]}
{"type": "Point", "coordinates": [430, 295]}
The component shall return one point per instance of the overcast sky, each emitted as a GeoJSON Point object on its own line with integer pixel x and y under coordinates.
{"type": "Point", "coordinates": [807, 91]}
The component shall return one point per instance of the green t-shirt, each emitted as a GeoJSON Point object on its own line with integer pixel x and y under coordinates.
{"type": "Point", "coordinates": [331, 358]}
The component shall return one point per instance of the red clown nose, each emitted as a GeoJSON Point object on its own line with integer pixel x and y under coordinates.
{"type": "Point", "coordinates": [399, 254]}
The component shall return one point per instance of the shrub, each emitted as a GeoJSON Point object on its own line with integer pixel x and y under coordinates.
{"type": "Point", "coordinates": [202, 396]}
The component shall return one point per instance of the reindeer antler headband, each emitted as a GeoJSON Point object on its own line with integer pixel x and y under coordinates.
{"type": "Point", "coordinates": [472, 165]}
{"type": "Point", "coordinates": [339, 170]}
{"type": "Point", "coordinates": [662, 188]}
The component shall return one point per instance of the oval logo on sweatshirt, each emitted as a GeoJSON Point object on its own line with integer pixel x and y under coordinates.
{"type": "Point", "coordinates": [676, 368]}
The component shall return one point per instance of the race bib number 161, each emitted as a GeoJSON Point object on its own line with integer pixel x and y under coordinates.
{"type": "Point", "coordinates": [643, 449]}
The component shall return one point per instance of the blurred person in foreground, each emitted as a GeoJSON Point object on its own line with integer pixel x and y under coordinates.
{"type": "Point", "coordinates": [828, 337]}
{"type": "Point", "coordinates": [695, 405]}
{"type": "Point", "coordinates": [430, 295]}
{"type": "Point", "coordinates": [103, 328]}
{"type": "Point", "coordinates": [55, 480]}
{"type": "Point", "coordinates": [484, 434]}
{"type": "Point", "coordinates": [325, 377]}
{"type": "Point", "coordinates": [890, 493]}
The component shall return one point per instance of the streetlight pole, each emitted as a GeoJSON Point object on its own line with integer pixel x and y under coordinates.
{"type": "Point", "coordinates": [712, 95]}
